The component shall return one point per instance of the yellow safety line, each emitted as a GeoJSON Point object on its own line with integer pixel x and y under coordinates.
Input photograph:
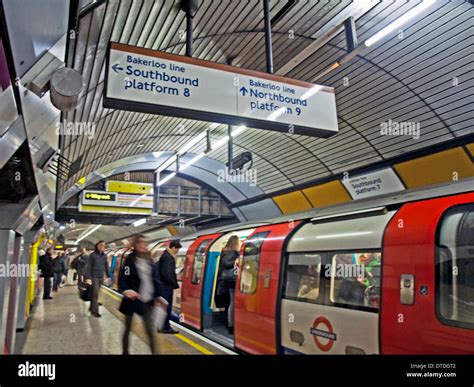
{"type": "Point", "coordinates": [194, 344]}
{"type": "Point", "coordinates": [185, 339]}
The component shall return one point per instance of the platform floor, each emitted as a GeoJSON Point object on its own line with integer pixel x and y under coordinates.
{"type": "Point", "coordinates": [64, 326]}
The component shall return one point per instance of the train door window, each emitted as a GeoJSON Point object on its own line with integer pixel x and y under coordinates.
{"type": "Point", "coordinates": [455, 267]}
{"type": "Point", "coordinates": [251, 262]}
{"type": "Point", "coordinates": [199, 261]}
{"type": "Point", "coordinates": [355, 279]}
{"type": "Point", "coordinates": [303, 275]}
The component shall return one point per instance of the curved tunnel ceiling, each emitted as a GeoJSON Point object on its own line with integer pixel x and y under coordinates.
{"type": "Point", "coordinates": [408, 79]}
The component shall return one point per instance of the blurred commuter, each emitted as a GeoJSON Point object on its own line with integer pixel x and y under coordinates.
{"type": "Point", "coordinates": [166, 272]}
{"type": "Point", "coordinates": [228, 276]}
{"type": "Point", "coordinates": [46, 268]}
{"type": "Point", "coordinates": [79, 264]}
{"type": "Point", "coordinates": [140, 290]}
{"type": "Point", "coordinates": [59, 268]}
{"type": "Point", "coordinates": [97, 268]}
{"type": "Point", "coordinates": [64, 258]}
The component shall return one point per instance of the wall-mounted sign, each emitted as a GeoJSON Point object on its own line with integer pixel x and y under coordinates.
{"type": "Point", "coordinates": [99, 197]}
{"type": "Point", "coordinates": [373, 184]}
{"type": "Point", "coordinates": [113, 199]}
{"type": "Point", "coordinates": [156, 82]}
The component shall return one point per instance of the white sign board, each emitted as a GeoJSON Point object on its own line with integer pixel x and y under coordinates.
{"type": "Point", "coordinates": [373, 184]}
{"type": "Point", "coordinates": [151, 81]}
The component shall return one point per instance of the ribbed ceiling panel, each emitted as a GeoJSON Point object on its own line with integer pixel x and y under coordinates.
{"type": "Point", "coordinates": [402, 79]}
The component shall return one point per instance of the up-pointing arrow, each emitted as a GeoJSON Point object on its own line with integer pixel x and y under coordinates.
{"type": "Point", "coordinates": [243, 90]}
{"type": "Point", "coordinates": [117, 68]}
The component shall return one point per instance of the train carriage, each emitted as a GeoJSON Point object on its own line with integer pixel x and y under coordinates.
{"type": "Point", "coordinates": [389, 275]}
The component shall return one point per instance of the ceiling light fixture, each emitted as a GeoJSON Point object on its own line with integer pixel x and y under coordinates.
{"type": "Point", "coordinates": [399, 22]}
{"type": "Point", "coordinates": [87, 233]}
{"type": "Point", "coordinates": [139, 222]}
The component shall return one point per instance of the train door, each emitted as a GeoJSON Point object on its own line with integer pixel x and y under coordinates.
{"type": "Point", "coordinates": [428, 278]}
{"type": "Point", "coordinates": [192, 286]}
{"type": "Point", "coordinates": [215, 297]}
{"type": "Point", "coordinates": [180, 258]}
{"type": "Point", "coordinates": [257, 286]}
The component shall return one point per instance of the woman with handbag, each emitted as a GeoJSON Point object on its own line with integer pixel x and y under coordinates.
{"type": "Point", "coordinates": [140, 290]}
{"type": "Point", "coordinates": [228, 275]}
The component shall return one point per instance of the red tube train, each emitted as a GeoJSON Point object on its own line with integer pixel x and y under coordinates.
{"type": "Point", "coordinates": [392, 275]}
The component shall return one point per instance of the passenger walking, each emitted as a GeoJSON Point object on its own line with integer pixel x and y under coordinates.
{"type": "Point", "coordinates": [166, 272]}
{"type": "Point", "coordinates": [140, 290]}
{"type": "Point", "coordinates": [59, 268]}
{"type": "Point", "coordinates": [46, 268]}
{"type": "Point", "coordinates": [228, 276]}
{"type": "Point", "coordinates": [97, 268]}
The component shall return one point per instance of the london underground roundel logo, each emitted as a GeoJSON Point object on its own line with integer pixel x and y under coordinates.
{"type": "Point", "coordinates": [323, 334]}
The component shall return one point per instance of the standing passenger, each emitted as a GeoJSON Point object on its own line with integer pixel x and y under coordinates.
{"type": "Point", "coordinates": [166, 270]}
{"type": "Point", "coordinates": [80, 264]}
{"type": "Point", "coordinates": [229, 275]}
{"type": "Point", "coordinates": [97, 268]}
{"type": "Point", "coordinates": [140, 290]}
{"type": "Point", "coordinates": [46, 268]}
{"type": "Point", "coordinates": [58, 268]}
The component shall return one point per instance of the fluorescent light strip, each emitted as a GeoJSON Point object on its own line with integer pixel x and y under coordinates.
{"type": "Point", "coordinates": [311, 92]}
{"type": "Point", "coordinates": [139, 222]}
{"type": "Point", "coordinates": [399, 22]}
{"type": "Point", "coordinates": [192, 161]}
{"type": "Point", "coordinates": [218, 144]}
{"type": "Point", "coordinates": [95, 228]}
{"type": "Point", "coordinates": [225, 139]}
{"type": "Point", "coordinates": [192, 143]}
{"type": "Point", "coordinates": [167, 163]}
{"type": "Point", "coordinates": [167, 178]}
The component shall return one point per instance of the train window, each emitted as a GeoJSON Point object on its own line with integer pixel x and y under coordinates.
{"type": "Point", "coordinates": [303, 277]}
{"type": "Point", "coordinates": [455, 267]}
{"type": "Point", "coordinates": [355, 279]}
{"type": "Point", "coordinates": [199, 261]}
{"type": "Point", "coordinates": [251, 263]}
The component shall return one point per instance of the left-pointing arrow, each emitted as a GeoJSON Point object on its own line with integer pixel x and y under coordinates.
{"type": "Point", "coordinates": [117, 68]}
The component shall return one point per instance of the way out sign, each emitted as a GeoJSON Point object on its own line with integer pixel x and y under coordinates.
{"type": "Point", "coordinates": [149, 81]}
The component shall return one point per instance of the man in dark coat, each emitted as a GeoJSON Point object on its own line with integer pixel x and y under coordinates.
{"type": "Point", "coordinates": [58, 269]}
{"type": "Point", "coordinates": [166, 270]}
{"type": "Point", "coordinates": [46, 267]}
{"type": "Point", "coordinates": [97, 269]}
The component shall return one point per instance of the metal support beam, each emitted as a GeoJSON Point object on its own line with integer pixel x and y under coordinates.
{"type": "Point", "coordinates": [208, 141]}
{"type": "Point", "coordinates": [230, 144]}
{"type": "Point", "coordinates": [351, 34]}
{"type": "Point", "coordinates": [155, 192]}
{"type": "Point", "coordinates": [189, 7]}
{"type": "Point", "coordinates": [72, 32]}
{"type": "Point", "coordinates": [268, 36]}
{"type": "Point", "coordinates": [189, 34]}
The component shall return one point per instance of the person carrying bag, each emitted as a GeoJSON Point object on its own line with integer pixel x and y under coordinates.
{"type": "Point", "coordinates": [141, 291]}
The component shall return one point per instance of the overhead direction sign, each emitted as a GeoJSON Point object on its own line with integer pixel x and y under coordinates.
{"type": "Point", "coordinates": [149, 81]}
